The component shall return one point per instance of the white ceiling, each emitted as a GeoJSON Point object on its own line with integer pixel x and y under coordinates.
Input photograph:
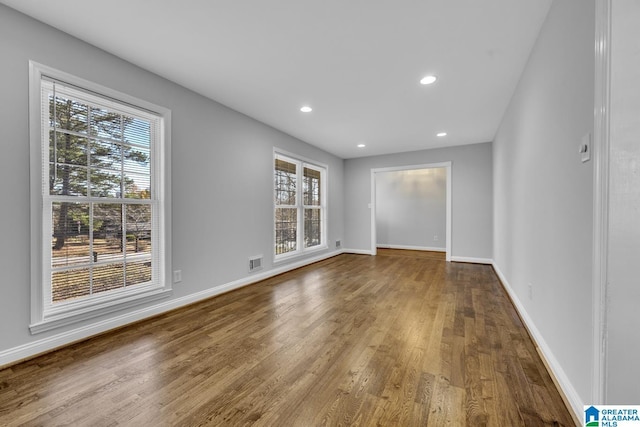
{"type": "Point", "coordinates": [356, 62]}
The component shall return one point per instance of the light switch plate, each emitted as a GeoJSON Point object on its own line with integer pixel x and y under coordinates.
{"type": "Point", "coordinates": [585, 148]}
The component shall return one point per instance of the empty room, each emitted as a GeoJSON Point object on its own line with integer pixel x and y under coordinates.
{"type": "Point", "coordinates": [295, 213]}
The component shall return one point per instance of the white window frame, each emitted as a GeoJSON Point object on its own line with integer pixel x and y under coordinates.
{"type": "Point", "coordinates": [301, 163]}
{"type": "Point", "coordinates": [44, 314]}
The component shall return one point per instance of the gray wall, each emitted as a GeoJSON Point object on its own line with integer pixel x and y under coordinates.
{"type": "Point", "coordinates": [472, 196]}
{"type": "Point", "coordinates": [411, 208]}
{"type": "Point", "coordinates": [222, 171]}
{"type": "Point", "coordinates": [543, 193]}
{"type": "Point", "coordinates": [624, 221]}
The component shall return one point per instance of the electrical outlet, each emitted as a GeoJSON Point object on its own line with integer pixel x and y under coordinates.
{"type": "Point", "coordinates": [177, 276]}
{"type": "Point", "coordinates": [530, 290]}
{"type": "Point", "coordinates": [435, 238]}
{"type": "Point", "coordinates": [338, 244]}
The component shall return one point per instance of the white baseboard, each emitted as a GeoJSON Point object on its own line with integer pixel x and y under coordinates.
{"type": "Point", "coordinates": [552, 363]}
{"type": "Point", "coordinates": [357, 251]}
{"type": "Point", "coordinates": [412, 248]}
{"type": "Point", "coordinates": [34, 348]}
{"type": "Point", "coordinates": [471, 260]}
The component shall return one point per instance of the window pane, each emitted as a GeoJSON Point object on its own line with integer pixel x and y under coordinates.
{"type": "Point", "coordinates": [286, 230]}
{"type": "Point", "coordinates": [107, 232]}
{"type": "Point", "coordinates": [67, 149]}
{"type": "Point", "coordinates": [70, 284]}
{"type": "Point", "coordinates": [137, 131]}
{"type": "Point", "coordinates": [138, 229]}
{"type": "Point", "coordinates": [108, 277]}
{"type": "Point", "coordinates": [105, 124]}
{"type": "Point", "coordinates": [312, 227]}
{"type": "Point", "coordinates": [138, 272]}
{"type": "Point", "coordinates": [70, 237]}
{"type": "Point", "coordinates": [67, 180]}
{"type": "Point", "coordinates": [137, 186]}
{"type": "Point", "coordinates": [106, 183]}
{"type": "Point", "coordinates": [311, 187]}
{"type": "Point", "coordinates": [68, 114]}
{"type": "Point", "coordinates": [106, 155]}
{"type": "Point", "coordinates": [285, 182]}
{"type": "Point", "coordinates": [137, 160]}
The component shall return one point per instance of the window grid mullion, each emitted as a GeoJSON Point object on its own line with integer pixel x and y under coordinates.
{"type": "Point", "coordinates": [89, 186]}
{"type": "Point", "coordinates": [91, 256]}
{"type": "Point", "coordinates": [99, 138]}
{"type": "Point", "coordinates": [299, 203]}
{"type": "Point", "coordinates": [107, 200]}
{"type": "Point", "coordinates": [55, 135]}
{"type": "Point", "coordinates": [122, 189]}
{"type": "Point", "coordinates": [123, 214]}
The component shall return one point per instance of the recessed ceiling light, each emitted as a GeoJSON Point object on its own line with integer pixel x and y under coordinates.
{"type": "Point", "coordinates": [441, 134]}
{"type": "Point", "coordinates": [427, 80]}
{"type": "Point", "coordinates": [306, 109]}
{"type": "Point", "coordinates": [361, 145]}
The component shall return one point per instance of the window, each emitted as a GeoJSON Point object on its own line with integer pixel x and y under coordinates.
{"type": "Point", "coordinates": [100, 199]}
{"type": "Point", "coordinates": [299, 215]}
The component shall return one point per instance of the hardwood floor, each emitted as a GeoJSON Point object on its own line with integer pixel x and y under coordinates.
{"type": "Point", "coordinates": [399, 339]}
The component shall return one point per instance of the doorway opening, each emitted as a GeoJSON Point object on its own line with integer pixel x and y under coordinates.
{"type": "Point", "coordinates": [376, 177]}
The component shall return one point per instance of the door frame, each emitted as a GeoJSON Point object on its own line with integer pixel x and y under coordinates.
{"type": "Point", "coordinates": [601, 146]}
{"type": "Point", "coordinates": [447, 166]}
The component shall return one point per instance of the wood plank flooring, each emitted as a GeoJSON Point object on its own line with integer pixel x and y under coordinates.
{"type": "Point", "coordinates": [399, 339]}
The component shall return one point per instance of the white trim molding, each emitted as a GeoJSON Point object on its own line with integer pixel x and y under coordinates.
{"type": "Point", "coordinates": [560, 377]}
{"type": "Point", "coordinates": [472, 260]}
{"type": "Point", "coordinates": [358, 251]}
{"type": "Point", "coordinates": [412, 248]}
{"type": "Point", "coordinates": [601, 199]}
{"type": "Point", "coordinates": [35, 348]}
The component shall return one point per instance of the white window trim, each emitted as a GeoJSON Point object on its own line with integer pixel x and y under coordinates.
{"type": "Point", "coordinates": [301, 250]}
{"type": "Point", "coordinates": [43, 319]}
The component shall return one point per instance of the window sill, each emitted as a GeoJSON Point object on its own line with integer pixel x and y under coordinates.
{"type": "Point", "coordinates": [295, 255]}
{"type": "Point", "coordinates": [60, 318]}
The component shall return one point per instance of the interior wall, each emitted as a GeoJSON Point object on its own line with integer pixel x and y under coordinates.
{"type": "Point", "coordinates": [623, 344]}
{"type": "Point", "coordinates": [472, 196]}
{"type": "Point", "coordinates": [222, 174]}
{"type": "Point", "coordinates": [411, 208]}
{"type": "Point", "coordinates": [543, 212]}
